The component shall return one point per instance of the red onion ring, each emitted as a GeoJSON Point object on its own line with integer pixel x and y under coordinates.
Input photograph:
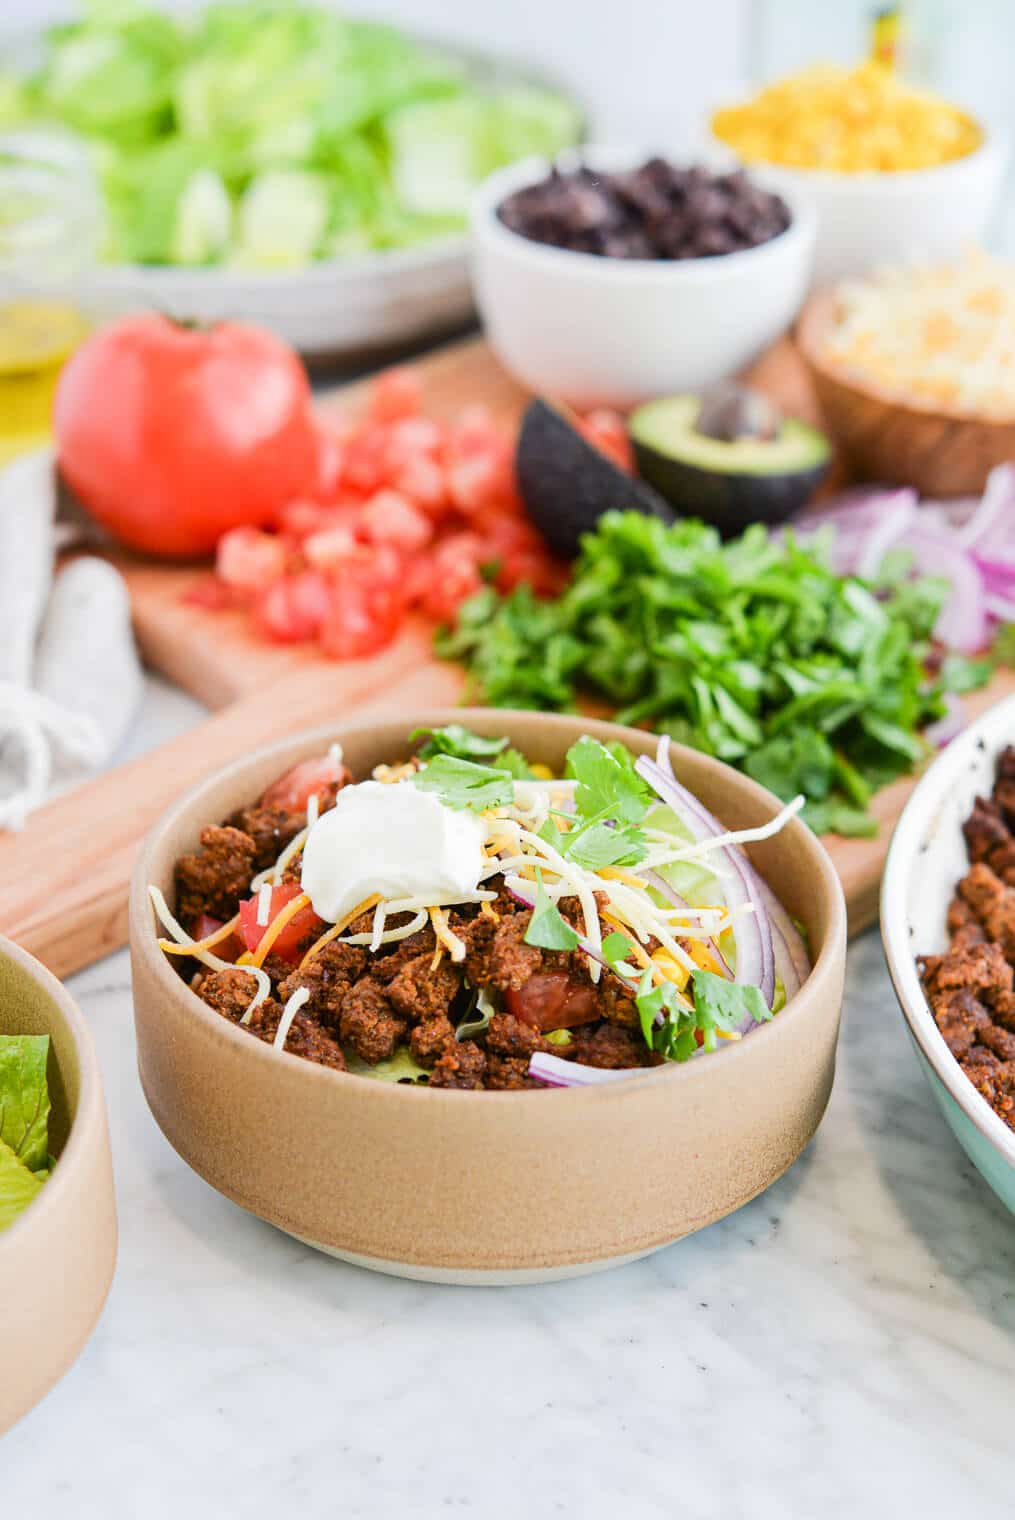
{"type": "Point", "coordinates": [556, 1072]}
{"type": "Point", "coordinates": [755, 950]}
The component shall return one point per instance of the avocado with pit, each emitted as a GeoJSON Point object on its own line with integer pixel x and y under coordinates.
{"type": "Point", "coordinates": [728, 456]}
{"type": "Point", "coordinates": [567, 483]}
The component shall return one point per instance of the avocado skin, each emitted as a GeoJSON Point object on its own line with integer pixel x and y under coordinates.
{"type": "Point", "coordinates": [567, 484]}
{"type": "Point", "coordinates": [730, 502]}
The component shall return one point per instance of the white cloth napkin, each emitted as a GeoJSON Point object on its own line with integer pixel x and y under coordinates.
{"type": "Point", "coordinates": [70, 677]}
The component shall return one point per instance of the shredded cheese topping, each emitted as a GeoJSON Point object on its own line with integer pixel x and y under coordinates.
{"type": "Point", "coordinates": [293, 1005]}
{"type": "Point", "coordinates": [196, 948]}
{"type": "Point", "coordinates": [942, 336]}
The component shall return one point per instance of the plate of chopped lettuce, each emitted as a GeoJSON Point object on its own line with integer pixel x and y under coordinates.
{"type": "Point", "coordinates": [277, 160]}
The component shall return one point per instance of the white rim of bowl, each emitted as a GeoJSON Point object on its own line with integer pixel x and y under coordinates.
{"type": "Point", "coordinates": [384, 261]}
{"type": "Point", "coordinates": [876, 181]}
{"type": "Point", "coordinates": [487, 225]}
{"type": "Point", "coordinates": [900, 952]}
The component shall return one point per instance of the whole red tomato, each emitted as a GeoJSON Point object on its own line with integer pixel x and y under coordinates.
{"type": "Point", "coordinates": [170, 435]}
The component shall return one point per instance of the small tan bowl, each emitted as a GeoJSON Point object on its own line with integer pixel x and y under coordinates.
{"type": "Point", "coordinates": [939, 452]}
{"type": "Point", "coordinates": [487, 1187]}
{"type": "Point", "coordinates": [57, 1259]}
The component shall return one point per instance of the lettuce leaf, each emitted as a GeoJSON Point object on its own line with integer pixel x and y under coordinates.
{"type": "Point", "coordinates": [18, 1186]}
{"type": "Point", "coordinates": [24, 1097]}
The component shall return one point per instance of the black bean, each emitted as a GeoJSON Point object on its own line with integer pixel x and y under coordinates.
{"type": "Point", "coordinates": [657, 211]}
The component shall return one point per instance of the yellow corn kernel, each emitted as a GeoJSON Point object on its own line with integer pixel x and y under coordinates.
{"type": "Point", "coordinates": [847, 121]}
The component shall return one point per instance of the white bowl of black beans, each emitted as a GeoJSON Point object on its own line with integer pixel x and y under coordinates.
{"type": "Point", "coordinates": [613, 276]}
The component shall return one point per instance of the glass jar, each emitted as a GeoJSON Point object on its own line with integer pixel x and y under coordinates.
{"type": "Point", "coordinates": [50, 230]}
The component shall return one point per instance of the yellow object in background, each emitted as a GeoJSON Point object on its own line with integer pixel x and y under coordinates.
{"type": "Point", "coordinates": [886, 32]}
{"type": "Point", "coordinates": [36, 337]}
{"type": "Point", "coordinates": [849, 121]}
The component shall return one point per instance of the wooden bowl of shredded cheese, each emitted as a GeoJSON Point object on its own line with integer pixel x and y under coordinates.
{"type": "Point", "coordinates": [915, 372]}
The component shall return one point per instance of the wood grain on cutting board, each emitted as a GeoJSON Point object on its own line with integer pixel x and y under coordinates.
{"type": "Point", "coordinates": [63, 881]}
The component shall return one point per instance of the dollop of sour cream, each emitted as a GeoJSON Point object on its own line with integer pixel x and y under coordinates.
{"type": "Point", "coordinates": [394, 839]}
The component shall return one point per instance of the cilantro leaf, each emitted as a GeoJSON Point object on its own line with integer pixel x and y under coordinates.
{"type": "Point", "coordinates": [463, 784]}
{"type": "Point", "coordinates": [454, 739]}
{"type": "Point", "coordinates": [515, 763]}
{"type": "Point", "coordinates": [598, 845]}
{"type": "Point", "coordinates": [720, 1004]}
{"type": "Point", "coordinates": [547, 928]}
{"type": "Point", "coordinates": [606, 788]}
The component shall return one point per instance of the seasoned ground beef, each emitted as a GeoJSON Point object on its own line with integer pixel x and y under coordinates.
{"type": "Point", "coordinates": [462, 1065]}
{"type": "Point", "coordinates": [228, 992]}
{"type": "Point", "coordinates": [306, 1037]}
{"type": "Point", "coordinates": [609, 1045]}
{"type": "Point", "coordinates": [496, 953]}
{"type": "Point", "coordinates": [213, 880]}
{"type": "Point", "coordinates": [417, 992]}
{"type": "Point", "coordinates": [271, 829]}
{"type": "Point", "coordinates": [429, 1040]}
{"type": "Point", "coordinates": [508, 1074]}
{"type": "Point", "coordinates": [328, 978]}
{"type": "Point", "coordinates": [510, 1037]}
{"type": "Point", "coordinates": [970, 987]}
{"type": "Point", "coordinates": [368, 1024]}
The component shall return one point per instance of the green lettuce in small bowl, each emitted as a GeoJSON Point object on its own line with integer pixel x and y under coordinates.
{"type": "Point", "coordinates": [25, 1162]}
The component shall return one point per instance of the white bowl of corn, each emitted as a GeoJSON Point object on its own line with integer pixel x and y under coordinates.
{"type": "Point", "coordinates": [894, 174]}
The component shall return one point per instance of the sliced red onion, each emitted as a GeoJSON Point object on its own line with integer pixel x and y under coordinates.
{"type": "Point", "coordinates": [556, 1072]}
{"type": "Point", "coordinates": [992, 520]}
{"type": "Point", "coordinates": [792, 960]}
{"type": "Point", "coordinates": [664, 889]}
{"type": "Point", "coordinates": [896, 516]}
{"type": "Point", "coordinates": [755, 951]}
{"type": "Point", "coordinates": [948, 727]}
{"type": "Point", "coordinates": [1000, 608]}
{"type": "Point", "coordinates": [962, 624]}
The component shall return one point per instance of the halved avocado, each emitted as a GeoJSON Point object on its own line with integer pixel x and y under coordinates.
{"type": "Point", "coordinates": [567, 484]}
{"type": "Point", "coordinates": [732, 474]}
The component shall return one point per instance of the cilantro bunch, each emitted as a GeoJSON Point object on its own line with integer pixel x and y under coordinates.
{"type": "Point", "coordinates": [752, 650]}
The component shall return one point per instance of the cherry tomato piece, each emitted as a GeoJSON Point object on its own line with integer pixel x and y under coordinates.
{"type": "Point", "coordinates": [294, 790]}
{"type": "Point", "coordinates": [300, 929]}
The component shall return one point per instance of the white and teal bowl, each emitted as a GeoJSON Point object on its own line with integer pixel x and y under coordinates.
{"type": "Point", "coordinates": [926, 859]}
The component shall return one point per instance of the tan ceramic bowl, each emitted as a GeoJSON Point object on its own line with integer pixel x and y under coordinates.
{"type": "Point", "coordinates": [57, 1259]}
{"type": "Point", "coordinates": [940, 452]}
{"type": "Point", "coordinates": [487, 1187]}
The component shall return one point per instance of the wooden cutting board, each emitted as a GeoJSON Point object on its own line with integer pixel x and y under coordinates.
{"type": "Point", "coordinates": [63, 881]}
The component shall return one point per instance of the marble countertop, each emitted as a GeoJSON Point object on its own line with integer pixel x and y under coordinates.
{"type": "Point", "coordinates": [842, 1346]}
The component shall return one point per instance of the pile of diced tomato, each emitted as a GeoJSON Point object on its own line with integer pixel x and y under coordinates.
{"type": "Point", "coordinates": [409, 514]}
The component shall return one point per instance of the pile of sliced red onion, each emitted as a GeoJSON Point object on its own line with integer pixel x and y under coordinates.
{"type": "Point", "coordinates": [769, 945]}
{"type": "Point", "coordinates": [969, 542]}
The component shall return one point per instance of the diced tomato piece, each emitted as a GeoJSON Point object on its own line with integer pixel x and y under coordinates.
{"type": "Point", "coordinates": [211, 593]}
{"type": "Point", "coordinates": [310, 778]}
{"type": "Point", "coordinates": [331, 548]}
{"type": "Point", "coordinates": [551, 1000]}
{"type": "Point", "coordinates": [422, 480]}
{"type": "Point", "coordinates": [226, 949]}
{"type": "Point", "coordinates": [301, 518]}
{"type": "Point", "coordinates": [297, 933]}
{"type": "Point", "coordinates": [473, 432]}
{"type": "Point", "coordinates": [330, 462]}
{"type": "Point", "coordinates": [607, 430]}
{"type": "Point", "coordinates": [366, 460]}
{"type": "Point", "coordinates": [394, 393]}
{"type": "Point", "coordinates": [292, 609]}
{"type": "Point", "coordinates": [390, 518]}
{"type": "Point", "coordinates": [455, 576]}
{"type": "Point", "coordinates": [414, 437]}
{"type": "Point", "coordinates": [367, 609]}
{"type": "Point", "coordinates": [482, 482]}
{"type": "Point", "coordinates": [248, 559]}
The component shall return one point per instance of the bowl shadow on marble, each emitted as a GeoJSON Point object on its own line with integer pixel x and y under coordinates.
{"type": "Point", "coordinates": [941, 1196]}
